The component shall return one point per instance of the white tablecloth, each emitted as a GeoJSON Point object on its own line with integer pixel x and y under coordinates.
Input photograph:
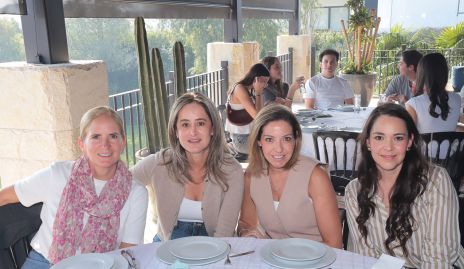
{"type": "Point", "coordinates": [350, 121]}
{"type": "Point", "coordinates": [146, 256]}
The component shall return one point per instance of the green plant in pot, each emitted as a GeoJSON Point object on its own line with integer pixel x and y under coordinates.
{"type": "Point", "coordinates": [360, 39]}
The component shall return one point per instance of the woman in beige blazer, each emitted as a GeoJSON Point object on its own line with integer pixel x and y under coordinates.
{"type": "Point", "coordinates": [197, 184]}
{"type": "Point", "coordinates": [289, 194]}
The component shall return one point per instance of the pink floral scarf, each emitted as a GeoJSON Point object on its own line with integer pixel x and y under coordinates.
{"type": "Point", "coordinates": [79, 196]}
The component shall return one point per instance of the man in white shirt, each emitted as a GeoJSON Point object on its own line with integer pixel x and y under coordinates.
{"type": "Point", "coordinates": [326, 90]}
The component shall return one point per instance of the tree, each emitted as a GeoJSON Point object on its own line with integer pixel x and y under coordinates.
{"type": "Point", "coordinates": [110, 40]}
{"type": "Point", "coordinates": [11, 38]}
{"type": "Point", "coordinates": [265, 32]}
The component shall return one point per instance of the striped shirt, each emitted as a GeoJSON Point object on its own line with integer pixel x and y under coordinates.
{"type": "Point", "coordinates": [435, 241]}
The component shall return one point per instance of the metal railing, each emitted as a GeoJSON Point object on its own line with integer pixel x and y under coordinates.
{"type": "Point", "coordinates": [287, 66]}
{"type": "Point", "coordinates": [129, 105]}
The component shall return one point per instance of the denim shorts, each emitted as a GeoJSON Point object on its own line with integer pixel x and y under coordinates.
{"type": "Point", "coordinates": [184, 229]}
{"type": "Point", "coordinates": [35, 260]}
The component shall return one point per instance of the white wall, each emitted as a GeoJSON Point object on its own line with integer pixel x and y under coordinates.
{"type": "Point", "coordinates": [414, 14]}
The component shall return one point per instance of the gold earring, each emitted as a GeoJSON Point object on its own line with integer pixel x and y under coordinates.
{"type": "Point", "coordinates": [368, 148]}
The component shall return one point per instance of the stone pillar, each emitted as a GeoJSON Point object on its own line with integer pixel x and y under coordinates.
{"type": "Point", "coordinates": [40, 111]}
{"type": "Point", "coordinates": [241, 56]}
{"type": "Point", "coordinates": [301, 45]}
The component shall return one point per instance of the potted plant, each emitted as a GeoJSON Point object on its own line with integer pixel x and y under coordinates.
{"type": "Point", "coordinates": [360, 39]}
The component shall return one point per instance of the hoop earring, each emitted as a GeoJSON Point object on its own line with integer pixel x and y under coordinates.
{"type": "Point", "coordinates": [369, 148]}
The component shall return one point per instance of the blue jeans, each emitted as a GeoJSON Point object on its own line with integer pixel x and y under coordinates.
{"type": "Point", "coordinates": [184, 229]}
{"type": "Point", "coordinates": [35, 260]}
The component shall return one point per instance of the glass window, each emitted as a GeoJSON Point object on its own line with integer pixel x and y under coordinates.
{"type": "Point", "coordinates": [322, 19]}
{"type": "Point", "coordinates": [11, 39]}
{"type": "Point", "coordinates": [337, 14]}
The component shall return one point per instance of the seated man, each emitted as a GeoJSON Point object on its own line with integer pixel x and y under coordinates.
{"type": "Point", "coordinates": [400, 88]}
{"type": "Point", "coordinates": [327, 90]}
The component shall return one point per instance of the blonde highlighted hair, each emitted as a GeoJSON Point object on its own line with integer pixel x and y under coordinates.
{"type": "Point", "coordinates": [218, 152]}
{"type": "Point", "coordinates": [96, 112]}
{"type": "Point", "coordinates": [257, 163]}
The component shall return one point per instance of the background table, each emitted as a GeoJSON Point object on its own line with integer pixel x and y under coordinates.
{"type": "Point", "coordinates": [146, 256]}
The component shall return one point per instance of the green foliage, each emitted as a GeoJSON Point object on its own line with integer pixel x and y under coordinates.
{"type": "Point", "coordinates": [328, 39]}
{"type": "Point", "coordinates": [110, 40]}
{"type": "Point", "coordinates": [264, 32]}
{"type": "Point", "coordinates": [424, 38]}
{"type": "Point", "coordinates": [450, 36]}
{"type": "Point", "coordinates": [394, 39]}
{"type": "Point", "coordinates": [308, 15]}
{"type": "Point", "coordinates": [11, 40]}
{"type": "Point", "coordinates": [359, 16]}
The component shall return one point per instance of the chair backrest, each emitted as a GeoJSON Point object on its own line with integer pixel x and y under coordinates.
{"type": "Point", "coordinates": [447, 150]}
{"type": "Point", "coordinates": [338, 149]}
{"type": "Point", "coordinates": [342, 159]}
{"type": "Point", "coordinates": [18, 224]}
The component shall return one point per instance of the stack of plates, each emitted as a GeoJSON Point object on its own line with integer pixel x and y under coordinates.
{"type": "Point", "coordinates": [193, 250]}
{"type": "Point", "coordinates": [297, 253]}
{"type": "Point", "coordinates": [344, 108]}
{"type": "Point", "coordinates": [308, 112]}
{"type": "Point", "coordinates": [94, 261]}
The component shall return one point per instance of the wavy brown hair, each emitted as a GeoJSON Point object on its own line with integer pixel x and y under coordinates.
{"type": "Point", "coordinates": [279, 85]}
{"type": "Point", "coordinates": [409, 185]}
{"type": "Point", "coordinates": [257, 163]}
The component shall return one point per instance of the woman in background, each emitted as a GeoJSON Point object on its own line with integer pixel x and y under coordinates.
{"type": "Point", "coordinates": [89, 205]}
{"type": "Point", "coordinates": [277, 91]}
{"type": "Point", "coordinates": [436, 109]}
{"type": "Point", "coordinates": [245, 98]}
{"type": "Point", "coordinates": [198, 185]}
{"type": "Point", "coordinates": [400, 204]}
{"type": "Point", "coordinates": [288, 194]}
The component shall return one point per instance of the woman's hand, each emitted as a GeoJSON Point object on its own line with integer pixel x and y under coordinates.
{"type": "Point", "coordinates": [297, 83]}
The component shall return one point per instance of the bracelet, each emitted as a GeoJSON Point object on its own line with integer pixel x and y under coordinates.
{"type": "Point", "coordinates": [289, 99]}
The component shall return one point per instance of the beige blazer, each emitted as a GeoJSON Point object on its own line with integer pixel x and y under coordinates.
{"type": "Point", "coordinates": [295, 215]}
{"type": "Point", "coordinates": [219, 209]}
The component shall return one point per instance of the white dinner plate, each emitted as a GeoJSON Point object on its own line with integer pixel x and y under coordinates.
{"type": "Point", "coordinates": [166, 256]}
{"type": "Point", "coordinates": [119, 263]}
{"type": "Point", "coordinates": [86, 261]}
{"type": "Point", "coordinates": [198, 247]}
{"type": "Point", "coordinates": [297, 249]}
{"type": "Point", "coordinates": [270, 259]}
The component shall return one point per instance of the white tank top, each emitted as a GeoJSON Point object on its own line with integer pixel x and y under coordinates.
{"type": "Point", "coordinates": [190, 211]}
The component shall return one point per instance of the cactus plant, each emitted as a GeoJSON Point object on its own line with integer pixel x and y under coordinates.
{"type": "Point", "coordinates": [180, 76]}
{"type": "Point", "coordinates": [152, 85]}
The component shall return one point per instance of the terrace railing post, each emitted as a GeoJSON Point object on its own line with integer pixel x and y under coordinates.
{"type": "Point", "coordinates": [290, 66]}
{"type": "Point", "coordinates": [313, 61]}
{"type": "Point", "coordinates": [224, 81]}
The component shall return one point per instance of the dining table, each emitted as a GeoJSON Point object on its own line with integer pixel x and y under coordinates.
{"type": "Point", "coordinates": [146, 256]}
{"type": "Point", "coordinates": [329, 120]}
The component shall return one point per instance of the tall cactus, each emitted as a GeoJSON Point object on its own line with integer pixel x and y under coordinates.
{"type": "Point", "coordinates": [151, 85]}
{"type": "Point", "coordinates": [180, 76]}
{"type": "Point", "coordinates": [161, 99]}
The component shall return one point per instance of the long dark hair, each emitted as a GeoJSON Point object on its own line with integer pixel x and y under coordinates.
{"type": "Point", "coordinates": [268, 61]}
{"type": "Point", "coordinates": [432, 73]}
{"type": "Point", "coordinates": [410, 184]}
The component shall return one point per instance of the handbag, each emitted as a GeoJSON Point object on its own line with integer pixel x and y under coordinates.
{"type": "Point", "coordinates": [238, 117]}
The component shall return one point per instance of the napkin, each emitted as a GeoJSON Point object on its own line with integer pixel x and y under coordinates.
{"type": "Point", "coordinates": [179, 265]}
{"type": "Point", "coordinates": [388, 262]}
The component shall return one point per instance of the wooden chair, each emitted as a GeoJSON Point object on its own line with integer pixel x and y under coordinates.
{"type": "Point", "coordinates": [342, 163]}
{"type": "Point", "coordinates": [18, 225]}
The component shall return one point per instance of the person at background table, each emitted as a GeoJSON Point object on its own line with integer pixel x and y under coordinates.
{"type": "Point", "coordinates": [290, 195]}
{"type": "Point", "coordinates": [246, 95]}
{"type": "Point", "coordinates": [326, 90]}
{"type": "Point", "coordinates": [198, 185]}
{"type": "Point", "coordinates": [402, 87]}
{"type": "Point", "coordinates": [277, 91]}
{"type": "Point", "coordinates": [400, 204]}
{"type": "Point", "coordinates": [436, 109]}
{"type": "Point", "coordinates": [89, 205]}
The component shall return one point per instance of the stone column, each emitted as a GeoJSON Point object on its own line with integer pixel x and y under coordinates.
{"type": "Point", "coordinates": [301, 45]}
{"type": "Point", "coordinates": [241, 56]}
{"type": "Point", "coordinates": [40, 111]}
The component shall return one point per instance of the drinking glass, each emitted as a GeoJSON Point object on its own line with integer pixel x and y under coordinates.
{"type": "Point", "coordinates": [357, 102]}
